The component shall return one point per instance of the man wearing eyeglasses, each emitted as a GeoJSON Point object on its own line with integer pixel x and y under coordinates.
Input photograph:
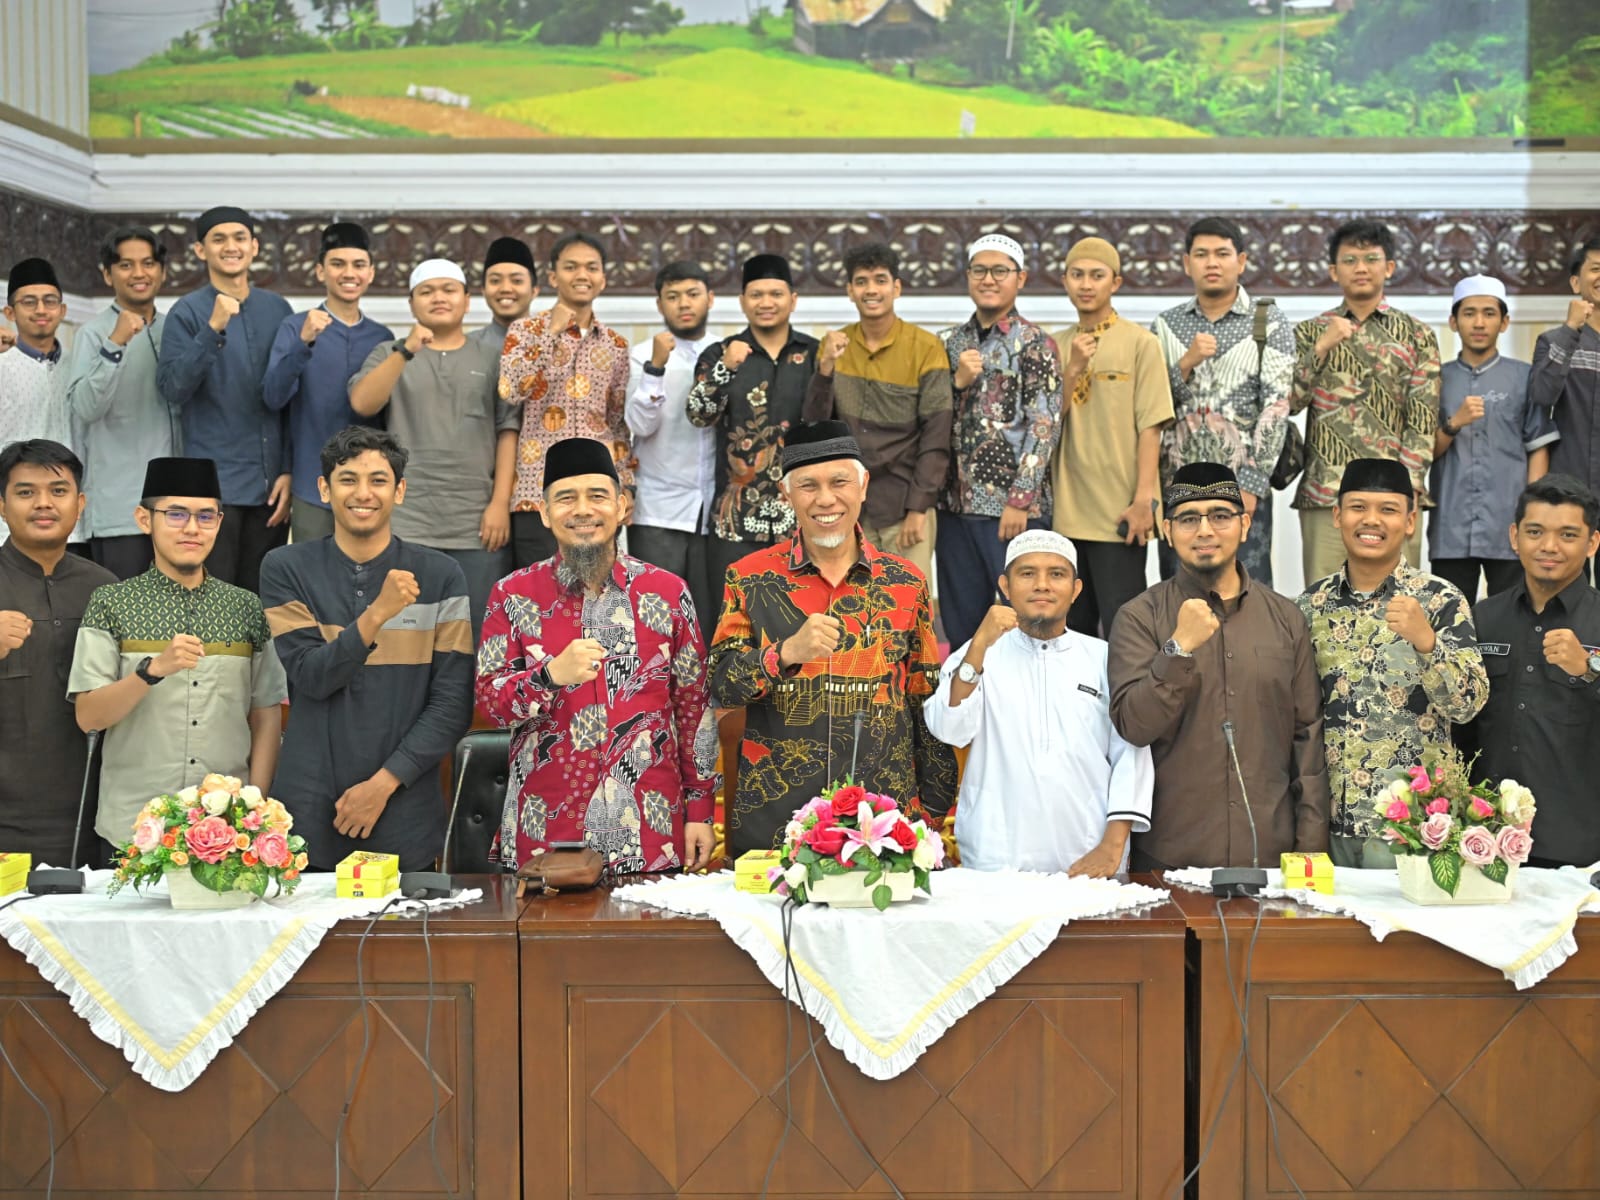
{"type": "Point", "coordinates": [1368, 377]}
{"type": "Point", "coordinates": [1211, 663]}
{"type": "Point", "coordinates": [174, 664]}
{"type": "Point", "coordinates": [32, 381]}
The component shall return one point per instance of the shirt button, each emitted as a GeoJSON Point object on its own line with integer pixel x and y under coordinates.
{"type": "Point", "coordinates": [1230, 653]}
{"type": "Point", "coordinates": [1538, 628]}
{"type": "Point", "coordinates": [359, 593]}
{"type": "Point", "coordinates": [1522, 706]}
{"type": "Point", "coordinates": [1530, 670]}
{"type": "Point", "coordinates": [191, 762]}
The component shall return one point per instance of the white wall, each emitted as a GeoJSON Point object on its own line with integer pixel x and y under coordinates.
{"type": "Point", "coordinates": [44, 61]}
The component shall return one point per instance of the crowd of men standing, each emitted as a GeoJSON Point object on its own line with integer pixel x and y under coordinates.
{"type": "Point", "coordinates": [247, 504]}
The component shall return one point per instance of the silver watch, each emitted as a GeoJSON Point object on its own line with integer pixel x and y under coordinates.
{"type": "Point", "coordinates": [967, 673]}
{"type": "Point", "coordinates": [1175, 650]}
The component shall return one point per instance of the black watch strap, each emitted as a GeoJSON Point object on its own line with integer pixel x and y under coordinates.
{"type": "Point", "coordinates": [143, 672]}
{"type": "Point", "coordinates": [402, 348]}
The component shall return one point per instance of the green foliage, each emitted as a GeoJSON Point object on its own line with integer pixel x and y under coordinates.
{"type": "Point", "coordinates": [1446, 869]}
{"type": "Point", "coordinates": [881, 897]}
{"type": "Point", "coordinates": [249, 28]}
{"type": "Point", "coordinates": [1497, 871]}
{"type": "Point", "coordinates": [976, 35]}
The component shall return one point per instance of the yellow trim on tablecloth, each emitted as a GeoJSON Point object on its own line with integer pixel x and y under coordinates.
{"type": "Point", "coordinates": [1561, 932]}
{"type": "Point", "coordinates": [168, 1059]}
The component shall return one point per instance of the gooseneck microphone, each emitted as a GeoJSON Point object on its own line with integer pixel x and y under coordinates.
{"type": "Point", "coordinates": [437, 885]}
{"type": "Point", "coordinates": [855, 747]}
{"type": "Point", "coordinates": [68, 880]}
{"type": "Point", "coordinates": [1240, 881]}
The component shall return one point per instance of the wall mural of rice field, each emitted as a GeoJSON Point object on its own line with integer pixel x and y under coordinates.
{"type": "Point", "coordinates": [364, 71]}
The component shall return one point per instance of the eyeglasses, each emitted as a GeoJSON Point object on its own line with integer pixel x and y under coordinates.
{"type": "Point", "coordinates": [1371, 260]}
{"type": "Point", "coordinates": [1220, 519]}
{"type": "Point", "coordinates": [177, 518]}
{"type": "Point", "coordinates": [29, 303]}
{"type": "Point", "coordinates": [999, 274]}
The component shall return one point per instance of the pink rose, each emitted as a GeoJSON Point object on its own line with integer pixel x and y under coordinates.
{"type": "Point", "coordinates": [195, 815]}
{"type": "Point", "coordinates": [883, 804]}
{"type": "Point", "coordinates": [1435, 831]}
{"type": "Point", "coordinates": [1392, 835]}
{"type": "Point", "coordinates": [1398, 810]}
{"type": "Point", "coordinates": [1514, 844]}
{"type": "Point", "coordinates": [273, 850]}
{"type": "Point", "coordinates": [1419, 779]}
{"type": "Point", "coordinates": [252, 820]}
{"type": "Point", "coordinates": [1477, 846]}
{"type": "Point", "coordinates": [1441, 805]}
{"type": "Point", "coordinates": [147, 834]}
{"type": "Point", "coordinates": [210, 840]}
{"type": "Point", "coordinates": [1481, 808]}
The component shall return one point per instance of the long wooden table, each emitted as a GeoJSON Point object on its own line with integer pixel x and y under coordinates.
{"type": "Point", "coordinates": [260, 1121]}
{"type": "Point", "coordinates": [655, 1064]}
{"type": "Point", "coordinates": [1396, 1070]}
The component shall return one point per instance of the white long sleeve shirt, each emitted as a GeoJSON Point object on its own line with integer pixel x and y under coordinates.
{"type": "Point", "coordinates": [1047, 770]}
{"type": "Point", "coordinates": [676, 480]}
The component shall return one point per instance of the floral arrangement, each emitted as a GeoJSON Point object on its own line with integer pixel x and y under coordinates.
{"type": "Point", "coordinates": [227, 835]}
{"type": "Point", "coordinates": [849, 829]}
{"type": "Point", "coordinates": [1435, 810]}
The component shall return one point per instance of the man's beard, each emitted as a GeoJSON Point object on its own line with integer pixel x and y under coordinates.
{"type": "Point", "coordinates": [583, 564]}
{"type": "Point", "coordinates": [690, 333]}
{"type": "Point", "coordinates": [1038, 628]}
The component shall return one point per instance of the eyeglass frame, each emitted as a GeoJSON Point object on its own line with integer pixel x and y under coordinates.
{"type": "Point", "coordinates": [1219, 519]}
{"type": "Point", "coordinates": [999, 272]}
{"type": "Point", "coordinates": [30, 303]}
{"type": "Point", "coordinates": [199, 518]}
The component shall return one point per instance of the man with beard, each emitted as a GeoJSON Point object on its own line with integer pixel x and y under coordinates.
{"type": "Point", "coordinates": [1213, 647]}
{"type": "Point", "coordinates": [750, 388]}
{"type": "Point", "coordinates": [594, 660]}
{"type": "Point", "coordinates": [32, 381]}
{"type": "Point", "coordinates": [1049, 785]}
{"type": "Point", "coordinates": [1565, 378]}
{"type": "Point", "coordinates": [677, 475]}
{"type": "Point", "coordinates": [509, 288]}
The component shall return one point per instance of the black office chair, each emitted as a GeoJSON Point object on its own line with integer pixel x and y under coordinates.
{"type": "Point", "coordinates": [486, 754]}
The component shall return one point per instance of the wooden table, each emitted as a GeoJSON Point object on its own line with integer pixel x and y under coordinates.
{"type": "Point", "coordinates": [1396, 1069]}
{"type": "Point", "coordinates": [260, 1121]}
{"type": "Point", "coordinates": [654, 1065]}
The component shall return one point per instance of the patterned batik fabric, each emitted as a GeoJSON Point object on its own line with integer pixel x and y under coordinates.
{"type": "Point", "coordinates": [1006, 422]}
{"type": "Point", "coordinates": [619, 763]}
{"type": "Point", "coordinates": [1376, 395]}
{"type": "Point", "coordinates": [1383, 703]}
{"type": "Point", "coordinates": [570, 384]}
{"type": "Point", "coordinates": [800, 722]}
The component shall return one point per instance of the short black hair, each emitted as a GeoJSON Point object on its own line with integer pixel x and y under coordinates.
{"type": "Point", "coordinates": [1504, 310]}
{"type": "Point", "coordinates": [1361, 233]}
{"type": "Point", "coordinates": [1560, 489]}
{"type": "Point", "coordinates": [681, 272]}
{"type": "Point", "coordinates": [39, 452]}
{"type": "Point", "coordinates": [1214, 227]}
{"type": "Point", "coordinates": [111, 248]}
{"type": "Point", "coordinates": [869, 256]}
{"type": "Point", "coordinates": [356, 440]}
{"type": "Point", "coordinates": [572, 239]}
{"type": "Point", "coordinates": [1580, 253]}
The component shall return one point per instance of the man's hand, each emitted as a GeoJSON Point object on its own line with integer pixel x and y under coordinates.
{"type": "Point", "coordinates": [1105, 860]}
{"type": "Point", "coordinates": [128, 326]}
{"type": "Point", "coordinates": [1012, 522]}
{"type": "Point", "coordinates": [317, 320]}
{"type": "Point", "coordinates": [1405, 616]}
{"type": "Point", "coordinates": [419, 337]}
{"type": "Point", "coordinates": [578, 663]}
{"type": "Point", "coordinates": [1082, 351]}
{"type": "Point", "coordinates": [278, 497]}
{"type": "Point", "coordinates": [400, 591]}
{"type": "Point", "coordinates": [561, 317]}
{"type": "Point", "coordinates": [1339, 328]}
{"type": "Point", "coordinates": [834, 343]}
{"type": "Point", "coordinates": [1000, 620]}
{"type": "Point", "coordinates": [223, 310]}
{"type": "Point", "coordinates": [1141, 519]}
{"type": "Point", "coordinates": [494, 527]}
{"type": "Point", "coordinates": [661, 348]}
{"type": "Point", "coordinates": [1561, 649]}
{"type": "Point", "coordinates": [817, 638]}
{"type": "Point", "coordinates": [14, 630]}
{"type": "Point", "coordinates": [357, 811]}
{"type": "Point", "coordinates": [968, 367]}
{"type": "Point", "coordinates": [913, 530]}
{"type": "Point", "coordinates": [1250, 502]}
{"type": "Point", "coordinates": [734, 353]}
{"type": "Point", "coordinates": [697, 843]}
{"type": "Point", "coordinates": [1203, 346]}
{"type": "Point", "coordinates": [8, 338]}
{"type": "Point", "coordinates": [1579, 311]}
{"type": "Point", "coordinates": [183, 654]}
{"type": "Point", "coordinates": [1471, 410]}
{"type": "Point", "coordinates": [1196, 625]}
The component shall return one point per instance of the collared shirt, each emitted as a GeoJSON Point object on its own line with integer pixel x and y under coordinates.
{"type": "Point", "coordinates": [1383, 703]}
{"type": "Point", "coordinates": [38, 729]}
{"type": "Point", "coordinates": [33, 404]}
{"type": "Point", "coordinates": [570, 383]}
{"type": "Point", "coordinates": [215, 380]}
{"type": "Point", "coordinates": [799, 733]}
{"type": "Point", "coordinates": [1376, 395]}
{"type": "Point", "coordinates": [752, 410]}
{"type": "Point", "coordinates": [313, 384]}
{"type": "Point", "coordinates": [192, 723]}
{"type": "Point", "coordinates": [1234, 407]}
{"type": "Point", "coordinates": [621, 762]}
{"type": "Point", "coordinates": [1477, 480]}
{"type": "Point", "coordinates": [896, 400]}
{"type": "Point", "coordinates": [120, 419]}
{"type": "Point", "coordinates": [1256, 671]}
{"type": "Point", "coordinates": [400, 703]}
{"type": "Point", "coordinates": [677, 476]}
{"type": "Point", "coordinates": [1004, 426]}
{"type": "Point", "coordinates": [1541, 726]}
{"type": "Point", "coordinates": [1095, 471]}
{"type": "Point", "coordinates": [1566, 380]}
{"type": "Point", "coordinates": [51, 357]}
{"type": "Point", "coordinates": [1046, 771]}
{"type": "Point", "coordinates": [493, 333]}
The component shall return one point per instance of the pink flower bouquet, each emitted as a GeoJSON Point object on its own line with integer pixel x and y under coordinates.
{"type": "Point", "coordinates": [848, 829]}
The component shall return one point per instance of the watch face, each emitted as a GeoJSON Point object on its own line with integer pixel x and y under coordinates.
{"type": "Point", "coordinates": [1594, 663]}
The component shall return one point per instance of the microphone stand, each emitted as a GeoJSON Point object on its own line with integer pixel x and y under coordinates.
{"type": "Point", "coordinates": [1240, 881]}
{"type": "Point", "coordinates": [437, 885]}
{"type": "Point", "coordinates": [68, 880]}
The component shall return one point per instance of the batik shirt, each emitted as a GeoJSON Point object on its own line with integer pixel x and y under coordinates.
{"type": "Point", "coordinates": [1376, 395]}
{"type": "Point", "coordinates": [799, 733]}
{"type": "Point", "coordinates": [1006, 422]}
{"type": "Point", "coordinates": [1383, 703]}
{"type": "Point", "coordinates": [621, 762]}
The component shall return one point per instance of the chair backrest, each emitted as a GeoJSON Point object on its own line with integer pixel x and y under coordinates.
{"type": "Point", "coordinates": [487, 755]}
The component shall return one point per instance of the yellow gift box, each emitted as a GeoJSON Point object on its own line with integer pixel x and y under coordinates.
{"type": "Point", "coordinates": [365, 874]}
{"type": "Point", "coordinates": [14, 870]}
{"type": "Point", "coordinates": [1313, 872]}
{"type": "Point", "coordinates": [750, 870]}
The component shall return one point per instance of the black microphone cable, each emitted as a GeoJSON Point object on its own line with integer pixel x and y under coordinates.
{"type": "Point", "coordinates": [366, 1042]}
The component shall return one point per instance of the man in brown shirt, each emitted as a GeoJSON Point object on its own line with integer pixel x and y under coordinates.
{"type": "Point", "coordinates": [1207, 654]}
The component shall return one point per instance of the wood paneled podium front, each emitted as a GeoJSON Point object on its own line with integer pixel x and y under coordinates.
{"type": "Point", "coordinates": [654, 1065]}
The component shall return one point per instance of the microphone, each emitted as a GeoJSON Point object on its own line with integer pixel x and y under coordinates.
{"type": "Point", "coordinates": [68, 880]}
{"type": "Point", "coordinates": [1240, 881]}
{"type": "Point", "coordinates": [855, 747]}
{"type": "Point", "coordinates": [437, 885]}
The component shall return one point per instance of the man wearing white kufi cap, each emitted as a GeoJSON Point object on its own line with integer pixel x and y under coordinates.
{"type": "Point", "coordinates": [441, 392]}
{"type": "Point", "coordinates": [1049, 785]}
{"type": "Point", "coordinates": [1491, 442]}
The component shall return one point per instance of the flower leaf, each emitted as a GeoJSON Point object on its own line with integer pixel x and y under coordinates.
{"type": "Point", "coordinates": [881, 895]}
{"type": "Point", "coordinates": [1496, 871]}
{"type": "Point", "coordinates": [1446, 869]}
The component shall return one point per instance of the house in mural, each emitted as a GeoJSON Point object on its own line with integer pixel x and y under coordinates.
{"type": "Point", "coordinates": [867, 28]}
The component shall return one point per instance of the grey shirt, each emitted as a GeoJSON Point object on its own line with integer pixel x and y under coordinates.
{"type": "Point", "coordinates": [446, 409]}
{"type": "Point", "coordinates": [120, 419]}
{"type": "Point", "coordinates": [1566, 380]}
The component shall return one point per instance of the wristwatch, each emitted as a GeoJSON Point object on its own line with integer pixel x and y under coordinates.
{"type": "Point", "coordinates": [1176, 651]}
{"type": "Point", "coordinates": [143, 672]}
{"type": "Point", "coordinates": [968, 673]}
{"type": "Point", "coordinates": [401, 348]}
{"type": "Point", "coordinates": [1445, 425]}
{"type": "Point", "coordinates": [1593, 672]}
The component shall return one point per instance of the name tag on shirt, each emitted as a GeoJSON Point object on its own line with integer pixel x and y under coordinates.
{"type": "Point", "coordinates": [1494, 648]}
{"type": "Point", "coordinates": [1084, 687]}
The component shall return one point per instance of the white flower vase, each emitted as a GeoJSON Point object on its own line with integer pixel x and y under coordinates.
{"type": "Point", "coordinates": [187, 892]}
{"type": "Point", "coordinates": [1417, 885]}
{"type": "Point", "coordinates": [850, 889]}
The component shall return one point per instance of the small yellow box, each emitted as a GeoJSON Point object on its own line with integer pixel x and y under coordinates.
{"type": "Point", "coordinates": [366, 874]}
{"type": "Point", "coordinates": [1312, 872]}
{"type": "Point", "coordinates": [750, 870]}
{"type": "Point", "coordinates": [366, 889]}
{"type": "Point", "coordinates": [14, 870]}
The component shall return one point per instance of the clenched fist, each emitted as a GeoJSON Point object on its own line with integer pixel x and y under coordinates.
{"type": "Point", "coordinates": [1339, 328]}
{"type": "Point", "coordinates": [223, 310]}
{"type": "Point", "coordinates": [127, 327]}
{"type": "Point", "coordinates": [14, 630]}
{"type": "Point", "coordinates": [1561, 649]}
{"type": "Point", "coordinates": [8, 338]}
{"type": "Point", "coordinates": [317, 320]}
{"type": "Point", "coordinates": [1471, 410]}
{"type": "Point", "coordinates": [400, 590]}
{"type": "Point", "coordinates": [661, 348]}
{"type": "Point", "coordinates": [1000, 620]}
{"type": "Point", "coordinates": [1083, 348]}
{"type": "Point", "coordinates": [1405, 616]}
{"type": "Point", "coordinates": [817, 638]}
{"type": "Point", "coordinates": [1578, 313]}
{"type": "Point", "coordinates": [734, 353]}
{"type": "Point", "coordinates": [833, 345]}
{"type": "Point", "coordinates": [183, 654]}
{"type": "Point", "coordinates": [1203, 346]}
{"type": "Point", "coordinates": [968, 367]}
{"type": "Point", "coordinates": [419, 337]}
{"type": "Point", "coordinates": [578, 663]}
{"type": "Point", "coordinates": [1196, 625]}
